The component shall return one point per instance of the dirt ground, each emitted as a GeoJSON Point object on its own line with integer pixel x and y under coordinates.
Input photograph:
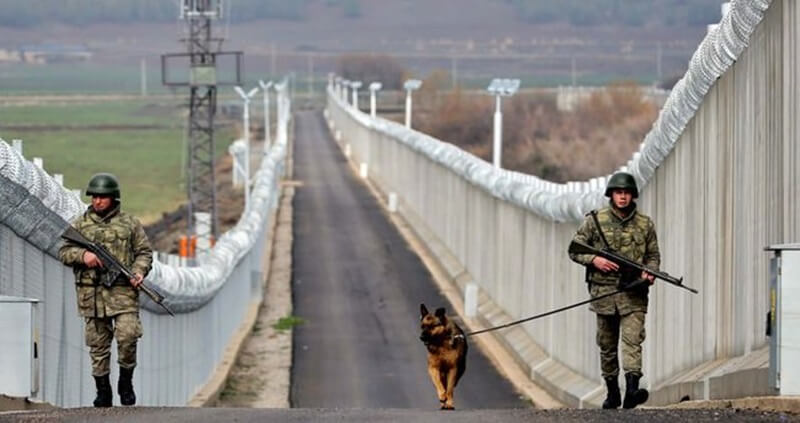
{"type": "Point", "coordinates": [261, 376]}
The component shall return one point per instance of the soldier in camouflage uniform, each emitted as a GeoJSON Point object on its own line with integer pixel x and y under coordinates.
{"type": "Point", "coordinates": [109, 312]}
{"type": "Point", "coordinates": [633, 235]}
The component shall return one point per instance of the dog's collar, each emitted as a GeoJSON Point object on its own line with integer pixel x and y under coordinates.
{"type": "Point", "coordinates": [460, 335]}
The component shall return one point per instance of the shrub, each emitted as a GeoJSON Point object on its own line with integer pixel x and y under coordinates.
{"type": "Point", "coordinates": [599, 136]}
{"type": "Point", "coordinates": [372, 67]}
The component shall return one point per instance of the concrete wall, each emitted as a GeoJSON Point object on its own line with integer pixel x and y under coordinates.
{"type": "Point", "coordinates": [728, 188]}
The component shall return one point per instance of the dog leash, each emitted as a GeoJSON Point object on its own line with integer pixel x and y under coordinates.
{"type": "Point", "coordinates": [538, 316]}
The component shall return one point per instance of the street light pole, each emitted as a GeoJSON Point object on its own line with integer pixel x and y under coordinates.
{"type": "Point", "coordinates": [355, 85]}
{"type": "Point", "coordinates": [410, 85]}
{"type": "Point", "coordinates": [498, 132]}
{"type": "Point", "coordinates": [500, 88]}
{"type": "Point", "coordinates": [373, 90]}
{"type": "Point", "coordinates": [267, 130]}
{"type": "Point", "coordinates": [345, 86]}
{"type": "Point", "coordinates": [337, 86]}
{"type": "Point", "coordinates": [283, 109]}
{"type": "Point", "coordinates": [246, 118]}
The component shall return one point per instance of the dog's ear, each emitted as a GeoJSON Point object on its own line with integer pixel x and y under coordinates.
{"type": "Point", "coordinates": [440, 313]}
{"type": "Point", "coordinates": [423, 311]}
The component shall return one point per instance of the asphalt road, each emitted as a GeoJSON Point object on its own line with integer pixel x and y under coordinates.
{"type": "Point", "coordinates": [254, 415]}
{"type": "Point", "coordinates": [359, 286]}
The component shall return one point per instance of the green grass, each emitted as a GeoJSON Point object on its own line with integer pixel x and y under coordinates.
{"type": "Point", "coordinates": [95, 78]}
{"type": "Point", "coordinates": [288, 322]}
{"type": "Point", "coordinates": [74, 78]}
{"type": "Point", "coordinates": [148, 162]}
{"type": "Point", "coordinates": [134, 112]}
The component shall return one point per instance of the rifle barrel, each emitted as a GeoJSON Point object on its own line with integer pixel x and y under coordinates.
{"type": "Point", "coordinates": [576, 247]}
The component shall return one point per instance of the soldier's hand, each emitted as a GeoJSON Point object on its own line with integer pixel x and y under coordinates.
{"type": "Point", "coordinates": [91, 260]}
{"type": "Point", "coordinates": [604, 265]}
{"type": "Point", "coordinates": [136, 280]}
{"type": "Point", "coordinates": [649, 277]}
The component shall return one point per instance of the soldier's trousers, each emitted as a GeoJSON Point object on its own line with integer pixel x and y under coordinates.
{"type": "Point", "coordinates": [629, 327]}
{"type": "Point", "coordinates": [125, 327]}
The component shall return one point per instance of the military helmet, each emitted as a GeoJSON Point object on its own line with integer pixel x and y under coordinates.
{"type": "Point", "coordinates": [622, 180]}
{"type": "Point", "coordinates": [103, 184]}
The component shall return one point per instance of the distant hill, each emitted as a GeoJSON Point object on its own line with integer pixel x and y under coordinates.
{"type": "Point", "coordinates": [581, 13]}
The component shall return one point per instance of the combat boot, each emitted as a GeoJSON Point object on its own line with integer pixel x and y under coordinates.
{"type": "Point", "coordinates": [125, 387]}
{"type": "Point", "coordinates": [633, 395]}
{"type": "Point", "coordinates": [613, 397]}
{"type": "Point", "coordinates": [104, 395]}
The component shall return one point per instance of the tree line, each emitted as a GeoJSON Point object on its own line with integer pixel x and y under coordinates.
{"type": "Point", "coordinates": [616, 12]}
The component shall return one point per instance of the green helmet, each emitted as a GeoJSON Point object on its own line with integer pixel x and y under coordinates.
{"type": "Point", "coordinates": [103, 184]}
{"type": "Point", "coordinates": [622, 180]}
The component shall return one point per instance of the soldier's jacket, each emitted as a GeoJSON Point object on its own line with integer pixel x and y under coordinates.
{"type": "Point", "coordinates": [123, 236]}
{"type": "Point", "coordinates": [635, 238]}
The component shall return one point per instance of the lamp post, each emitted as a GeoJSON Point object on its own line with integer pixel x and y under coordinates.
{"type": "Point", "coordinates": [282, 102]}
{"type": "Point", "coordinates": [246, 118]}
{"type": "Point", "coordinates": [355, 85]}
{"type": "Point", "coordinates": [373, 90]}
{"type": "Point", "coordinates": [500, 88]}
{"type": "Point", "coordinates": [409, 86]}
{"type": "Point", "coordinates": [345, 86]}
{"type": "Point", "coordinates": [267, 130]}
{"type": "Point", "coordinates": [337, 86]}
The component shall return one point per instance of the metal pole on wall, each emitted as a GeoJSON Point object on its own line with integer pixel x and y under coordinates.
{"type": "Point", "coordinates": [409, 86]}
{"type": "Point", "coordinates": [355, 85]}
{"type": "Point", "coordinates": [500, 88]}
{"type": "Point", "coordinates": [345, 93]}
{"type": "Point", "coordinates": [408, 108]}
{"type": "Point", "coordinates": [498, 133]}
{"type": "Point", "coordinates": [246, 118]}
{"type": "Point", "coordinates": [373, 94]}
{"type": "Point", "coordinates": [267, 130]}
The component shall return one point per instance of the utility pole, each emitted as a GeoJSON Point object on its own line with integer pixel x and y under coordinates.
{"type": "Point", "coordinates": [454, 71]}
{"type": "Point", "coordinates": [310, 76]}
{"type": "Point", "coordinates": [201, 58]}
{"type": "Point", "coordinates": [574, 73]}
{"type": "Point", "coordinates": [658, 62]}
{"type": "Point", "coordinates": [143, 72]}
{"type": "Point", "coordinates": [273, 69]}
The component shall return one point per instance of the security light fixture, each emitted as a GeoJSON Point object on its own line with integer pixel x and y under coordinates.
{"type": "Point", "coordinates": [500, 88]}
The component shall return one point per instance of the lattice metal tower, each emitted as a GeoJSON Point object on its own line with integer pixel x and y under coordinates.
{"type": "Point", "coordinates": [200, 65]}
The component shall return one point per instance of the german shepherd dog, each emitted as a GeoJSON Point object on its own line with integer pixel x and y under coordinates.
{"type": "Point", "coordinates": [447, 352]}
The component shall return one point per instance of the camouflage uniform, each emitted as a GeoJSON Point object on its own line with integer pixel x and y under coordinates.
{"type": "Point", "coordinates": [623, 314]}
{"type": "Point", "coordinates": [109, 311]}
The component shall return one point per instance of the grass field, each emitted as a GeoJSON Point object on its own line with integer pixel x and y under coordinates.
{"type": "Point", "coordinates": [103, 113]}
{"type": "Point", "coordinates": [83, 78]}
{"type": "Point", "coordinates": [148, 162]}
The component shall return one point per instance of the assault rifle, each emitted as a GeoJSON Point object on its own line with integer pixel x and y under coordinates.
{"type": "Point", "coordinates": [113, 267]}
{"type": "Point", "coordinates": [576, 247]}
